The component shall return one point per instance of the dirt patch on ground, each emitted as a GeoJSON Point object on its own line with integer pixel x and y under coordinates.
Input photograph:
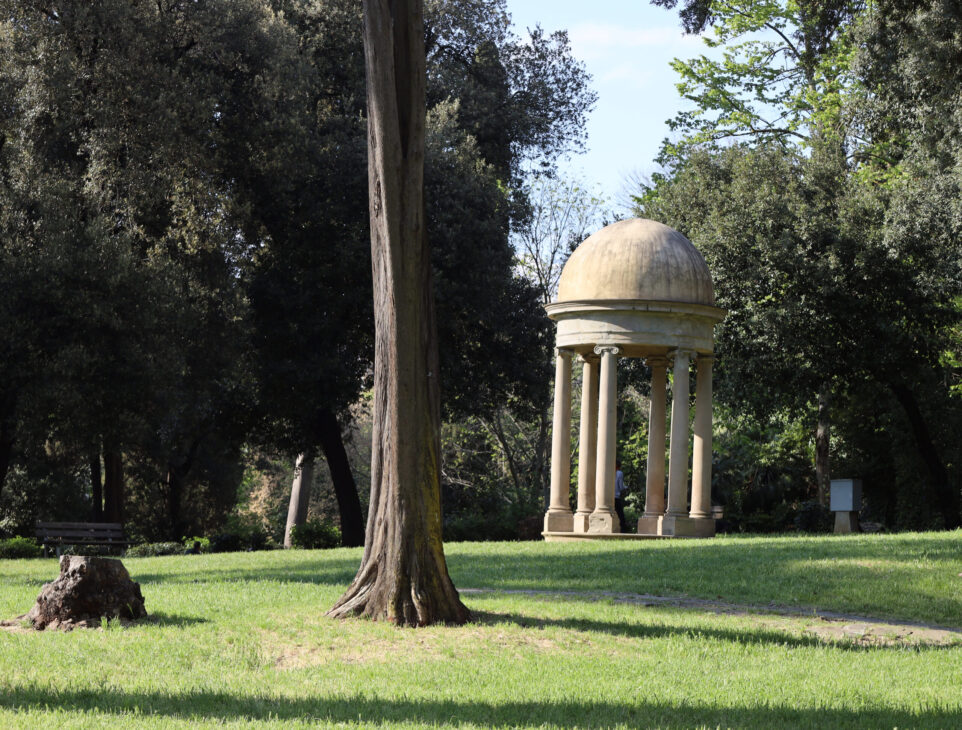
{"type": "Point", "coordinates": [415, 646]}
{"type": "Point", "coordinates": [828, 626]}
{"type": "Point", "coordinates": [297, 655]}
{"type": "Point", "coordinates": [883, 634]}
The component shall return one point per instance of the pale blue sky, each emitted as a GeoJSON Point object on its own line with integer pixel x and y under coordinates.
{"type": "Point", "coordinates": [626, 46]}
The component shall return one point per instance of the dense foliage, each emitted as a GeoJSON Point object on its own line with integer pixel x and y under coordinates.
{"type": "Point", "coordinates": [185, 279]}
{"type": "Point", "coordinates": [819, 174]}
{"type": "Point", "coordinates": [184, 259]}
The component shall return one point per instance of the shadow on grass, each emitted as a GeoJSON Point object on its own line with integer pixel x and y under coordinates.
{"type": "Point", "coordinates": [657, 631]}
{"type": "Point", "coordinates": [896, 577]}
{"type": "Point", "coordinates": [318, 571]}
{"type": "Point", "coordinates": [905, 576]}
{"type": "Point", "coordinates": [205, 705]}
{"type": "Point", "coordinates": [159, 618]}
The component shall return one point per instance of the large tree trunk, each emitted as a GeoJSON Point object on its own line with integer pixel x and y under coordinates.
{"type": "Point", "coordinates": [945, 495]}
{"type": "Point", "coordinates": [403, 575]}
{"type": "Point", "coordinates": [348, 501]}
{"type": "Point", "coordinates": [96, 488]}
{"type": "Point", "coordinates": [823, 432]}
{"type": "Point", "coordinates": [300, 495]}
{"type": "Point", "coordinates": [113, 486]}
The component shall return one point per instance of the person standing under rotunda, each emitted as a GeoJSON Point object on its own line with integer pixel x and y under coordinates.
{"type": "Point", "coordinates": [620, 496]}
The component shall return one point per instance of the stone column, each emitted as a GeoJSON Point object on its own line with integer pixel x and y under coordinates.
{"type": "Point", "coordinates": [604, 519]}
{"type": "Point", "coordinates": [678, 449]}
{"type": "Point", "coordinates": [558, 517]}
{"type": "Point", "coordinates": [655, 481]}
{"type": "Point", "coordinates": [587, 447]}
{"type": "Point", "coordinates": [701, 461]}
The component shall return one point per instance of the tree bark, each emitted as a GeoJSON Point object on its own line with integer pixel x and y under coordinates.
{"type": "Point", "coordinates": [543, 457]}
{"type": "Point", "coordinates": [403, 576]}
{"type": "Point", "coordinates": [113, 486]}
{"type": "Point", "coordinates": [300, 495]}
{"type": "Point", "coordinates": [348, 501]}
{"type": "Point", "coordinates": [96, 488]}
{"type": "Point", "coordinates": [823, 432]}
{"type": "Point", "coordinates": [6, 451]}
{"type": "Point", "coordinates": [945, 495]}
{"type": "Point", "coordinates": [496, 428]}
{"type": "Point", "coordinates": [174, 483]}
{"type": "Point", "coordinates": [174, 487]}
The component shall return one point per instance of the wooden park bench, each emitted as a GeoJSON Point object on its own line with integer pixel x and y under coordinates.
{"type": "Point", "coordinates": [58, 534]}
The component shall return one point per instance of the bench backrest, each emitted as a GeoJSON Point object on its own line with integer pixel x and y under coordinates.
{"type": "Point", "coordinates": [80, 531]}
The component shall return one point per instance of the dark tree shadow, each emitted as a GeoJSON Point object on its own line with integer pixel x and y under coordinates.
{"type": "Point", "coordinates": [319, 571]}
{"type": "Point", "coordinates": [201, 705]}
{"type": "Point", "coordinates": [820, 570]}
{"type": "Point", "coordinates": [159, 618]}
{"type": "Point", "coordinates": [753, 637]}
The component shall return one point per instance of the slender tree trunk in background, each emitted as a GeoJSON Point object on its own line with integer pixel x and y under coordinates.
{"type": "Point", "coordinates": [174, 482]}
{"type": "Point", "coordinates": [823, 431]}
{"type": "Point", "coordinates": [6, 451]}
{"type": "Point", "coordinates": [403, 576]}
{"type": "Point", "coordinates": [174, 485]}
{"type": "Point", "coordinates": [495, 427]}
{"type": "Point", "coordinates": [542, 472]}
{"type": "Point", "coordinates": [348, 501]}
{"type": "Point", "coordinates": [113, 486]}
{"type": "Point", "coordinates": [300, 495]}
{"type": "Point", "coordinates": [96, 488]}
{"type": "Point", "coordinates": [945, 495]}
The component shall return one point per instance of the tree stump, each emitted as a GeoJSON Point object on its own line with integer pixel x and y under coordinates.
{"type": "Point", "coordinates": [87, 591]}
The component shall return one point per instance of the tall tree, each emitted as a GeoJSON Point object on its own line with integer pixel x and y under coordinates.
{"type": "Point", "coordinates": [310, 188]}
{"type": "Point", "coordinates": [403, 576]}
{"type": "Point", "coordinates": [780, 79]}
{"type": "Point", "coordinates": [115, 124]}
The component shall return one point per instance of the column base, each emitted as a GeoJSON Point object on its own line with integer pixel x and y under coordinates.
{"type": "Point", "coordinates": [605, 523]}
{"type": "Point", "coordinates": [558, 521]}
{"type": "Point", "coordinates": [846, 522]}
{"type": "Point", "coordinates": [648, 525]}
{"type": "Point", "coordinates": [686, 527]}
{"type": "Point", "coordinates": [582, 522]}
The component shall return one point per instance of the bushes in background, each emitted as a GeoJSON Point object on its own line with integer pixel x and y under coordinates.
{"type": "Point", "coordinates": [152, 549]}
{"type": "Point", "coordinates": [315, 535]}
{"type": "Point", "coordinates": [19, 547]}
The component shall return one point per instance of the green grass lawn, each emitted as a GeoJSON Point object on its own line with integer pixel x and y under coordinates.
{"type": "Point", "coordinates": [240, 640]}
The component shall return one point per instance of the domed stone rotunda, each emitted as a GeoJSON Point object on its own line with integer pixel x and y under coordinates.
{"type": "Point", "coordinates": [636, 288]}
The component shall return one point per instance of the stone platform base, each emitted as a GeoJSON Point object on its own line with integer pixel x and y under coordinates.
{"type": "Point", "coordinates": [686, 527]}
{"type": "Point", "coordinates": [558, 522]}
{"type": "Point", "coordinates": [846, 522]}
{"type": "Point", "coordinates": [677, 526]}
{"type": "Point", "coordinates": [582, 536]}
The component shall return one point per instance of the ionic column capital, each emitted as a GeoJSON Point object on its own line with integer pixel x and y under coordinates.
{"type": "Point", "coordinates": [708, 359]}
{"type": "Point", "coordinates": [656, 361]}
{"type": "Point", "coordinates": [563, 352]}
{"type": "Point", "coordinates": [587, 358]}
{"type": "Point", "coordinates": [607, 350]}
{"type": "Point", "coordinates": [679, 353]}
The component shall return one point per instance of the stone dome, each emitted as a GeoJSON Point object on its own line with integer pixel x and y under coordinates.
{"type": "Point", "coordinates": [636, 259]}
